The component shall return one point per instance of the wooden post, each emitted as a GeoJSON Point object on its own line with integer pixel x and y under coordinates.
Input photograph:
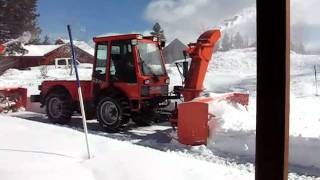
{"type": "Point", "coordinates": [273, 89]}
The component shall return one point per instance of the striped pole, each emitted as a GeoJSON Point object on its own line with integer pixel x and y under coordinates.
{"type": "Point", "coordinates": [84, 121]}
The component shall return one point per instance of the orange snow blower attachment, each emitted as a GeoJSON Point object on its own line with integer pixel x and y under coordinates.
{"type": "Point", "coordinates": [12, 99]}
{"type": "Point", "coordinates": [193, 114]}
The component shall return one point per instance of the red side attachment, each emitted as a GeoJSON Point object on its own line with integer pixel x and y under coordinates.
{"type": "Point", "coordinates": [12, 99]}
{"type": "Point", "coordinates": [2, 48]}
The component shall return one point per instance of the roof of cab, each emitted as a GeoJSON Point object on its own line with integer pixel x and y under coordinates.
{"type": "Point", "coordinates": [117, 37]}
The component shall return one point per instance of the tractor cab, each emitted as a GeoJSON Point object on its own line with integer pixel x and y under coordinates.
{"type": "Point", "coordinates": [131, 65]}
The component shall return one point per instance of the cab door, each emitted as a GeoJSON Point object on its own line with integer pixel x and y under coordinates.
{"type": "Point", "coordinates": [122, 72]}
{"type": "Point", "coordinates": [99, 74]}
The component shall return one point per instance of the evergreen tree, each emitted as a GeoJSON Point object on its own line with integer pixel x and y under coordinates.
{"type": "Point", "coordinates": [16, 17]}
{"type": "Point", "coordinates": [46, 40]}
{"type": "Point", "coordinates": [246, 42]}
{"type": "Point", "coordinates": [301, 48]}
{"type": "Point", "coordinates": [157, 31]}
{"type": "Point", "coordinates": [226, 42]}
{"type": "Point", "coordinates": [238, 41]}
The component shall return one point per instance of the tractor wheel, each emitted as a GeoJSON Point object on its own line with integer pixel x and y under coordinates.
{"type": "Point", "coordinates": [59, 108]}
{"type": "Point", "coordinates": [126, 109]}
{"type": "Point", "coordinates": [110, 114]}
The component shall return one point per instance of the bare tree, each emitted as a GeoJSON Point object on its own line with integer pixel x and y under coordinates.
{"type": "Point", "coordinates": [238, 42]}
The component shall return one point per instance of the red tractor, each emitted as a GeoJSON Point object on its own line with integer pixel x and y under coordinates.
{"type": "Point", "coordinates": [129, 81]}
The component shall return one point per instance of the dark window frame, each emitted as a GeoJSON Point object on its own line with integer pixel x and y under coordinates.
{"type": "Point", "coordinates": [273, 89]}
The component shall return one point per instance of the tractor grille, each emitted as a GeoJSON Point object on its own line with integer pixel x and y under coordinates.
{"type": "Point", "coordinates": [150, 90]}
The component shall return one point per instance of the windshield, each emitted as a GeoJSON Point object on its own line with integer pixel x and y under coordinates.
{"type": "Point", "coordinates": [150, 59]}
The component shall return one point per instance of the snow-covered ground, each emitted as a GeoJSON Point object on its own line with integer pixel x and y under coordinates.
{"type": "Point", "coordinates": [31, 150]}
{"type": "Point", "coordinates": [234, 143]}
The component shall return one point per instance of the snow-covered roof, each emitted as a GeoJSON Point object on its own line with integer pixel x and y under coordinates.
{"type": "Point", "coordinates": [84, 46]}
{"type": "Point", "coordinates": [80, 44]}
{"type": "Point", "coordinates": [39, 50]}
{"type": "Point", "coordinates": [42, 50]}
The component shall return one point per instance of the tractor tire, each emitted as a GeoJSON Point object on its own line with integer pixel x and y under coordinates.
{"type": "Point", "coordinates": [110, 114]}
{"type": "Point", "coordinates": [126, 109]}
{"type": "Point", "coordinates": [59, 108]}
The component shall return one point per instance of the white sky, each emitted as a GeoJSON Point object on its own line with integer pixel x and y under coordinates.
{"type": "Point", "coordinates": [186, 19]}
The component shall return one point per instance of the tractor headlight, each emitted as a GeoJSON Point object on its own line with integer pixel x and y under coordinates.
{"type": "Point", "coordinates": [146, 82]}
{"type": "Point", "coordinates": [145, 91]}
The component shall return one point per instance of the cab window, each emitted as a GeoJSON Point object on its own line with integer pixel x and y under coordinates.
{"type": "Point", "coordinates": [101, 61]}
{"type": "Point", "coordinates": [122, 67]}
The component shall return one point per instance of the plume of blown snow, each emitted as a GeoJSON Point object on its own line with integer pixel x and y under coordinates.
{"type": "Point", "coordinates": [243, 22]}
{"type": "Point", "coordinates": [187, 19]}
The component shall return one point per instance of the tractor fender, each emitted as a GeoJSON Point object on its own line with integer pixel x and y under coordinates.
{"type": "Point", "coordinates": [111, 92]}
{"type": "Point", "coordinates": [55, 89]}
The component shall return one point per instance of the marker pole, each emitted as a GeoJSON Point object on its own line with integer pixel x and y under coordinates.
{"type": "Point", "coordinates": [84, 121]}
